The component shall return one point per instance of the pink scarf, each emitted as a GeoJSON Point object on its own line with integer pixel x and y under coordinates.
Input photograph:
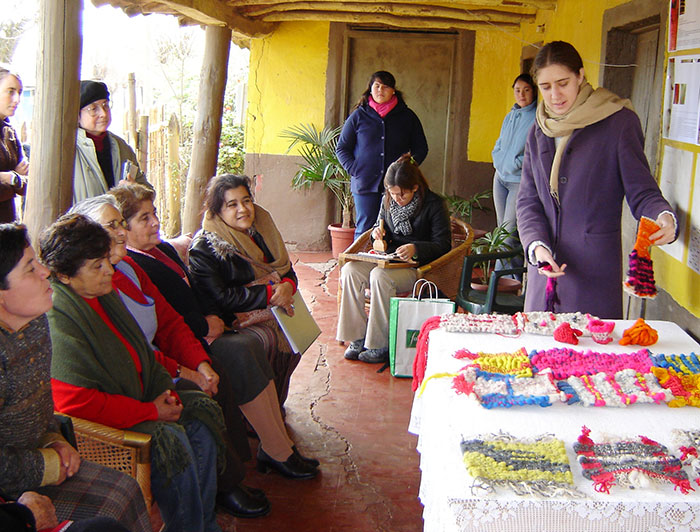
{"type": "Point", "coordinates": [383, 108]}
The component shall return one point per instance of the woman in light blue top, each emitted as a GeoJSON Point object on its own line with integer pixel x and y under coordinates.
{"type": "Point", "coordinates": [510, 148]}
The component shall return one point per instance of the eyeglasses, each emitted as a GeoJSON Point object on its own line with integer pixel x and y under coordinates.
{"type": "Point", "coordinates": [92, 110]}
{"type": "Point", "coordinates": [115, 224]}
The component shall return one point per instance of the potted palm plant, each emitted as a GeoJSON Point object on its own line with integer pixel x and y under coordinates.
{"type": "Point", "coordinates": [321, 165]}
{"type": "Point", "coordinates": [495, 241]}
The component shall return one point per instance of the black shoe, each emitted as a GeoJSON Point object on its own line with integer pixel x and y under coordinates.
{"type": "Point", "coordinates": [244, 502]}
{"type": "Point", "coordinates": [354, 349]}
{"type": "Point", "coordinates": [293, 467]}
{"type": "Point", "coordinates": [311, 461]}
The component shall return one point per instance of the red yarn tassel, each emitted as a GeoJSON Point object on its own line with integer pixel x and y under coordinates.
{"type": "Point", "coordinates": [421, 360]}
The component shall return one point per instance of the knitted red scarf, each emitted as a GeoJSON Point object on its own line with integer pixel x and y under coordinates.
{"type": "Point", "coordinates": [383, 108]}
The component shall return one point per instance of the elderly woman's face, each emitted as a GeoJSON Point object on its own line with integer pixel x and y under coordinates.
{"type": "Point", "coordinates": [144, 228]}
{"type": "Point", "coordinates": [113, 221]}
{"type": "Point", "coordinates": [238, 210]}
{"type": "Point", "coordinates": [96, 117]}
{"type": "Point", "coordinates": [93, 279]}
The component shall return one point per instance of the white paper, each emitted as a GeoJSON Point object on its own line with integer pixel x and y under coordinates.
{"type": "Point", "coordinates": [688, 35]}
{"type": "Point", "coordinates": [676, 171]}
{"type": "Point", "coordinates": [682, 99]}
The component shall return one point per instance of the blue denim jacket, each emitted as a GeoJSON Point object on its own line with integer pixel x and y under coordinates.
{"type": "Point", "coordinates": [508, 153]}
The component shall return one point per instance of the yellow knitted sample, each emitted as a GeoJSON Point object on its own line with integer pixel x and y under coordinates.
{"type": "Point", "coordinates": [517, 363]}
{"type": "Point", "coordinates": [539, 454]}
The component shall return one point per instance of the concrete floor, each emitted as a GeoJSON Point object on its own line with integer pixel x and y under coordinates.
{"type": "Point", "coordinates": [354, 421]}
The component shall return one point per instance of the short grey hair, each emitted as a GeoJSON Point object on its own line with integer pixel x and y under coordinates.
{"type": "Point", "coordinates": [93, 207]}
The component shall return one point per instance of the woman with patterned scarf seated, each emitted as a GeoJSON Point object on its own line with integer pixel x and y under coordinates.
{"type": "Point", "coordinates": [416, 228]}
{"type": "Point", "coordinates": [103, 369]}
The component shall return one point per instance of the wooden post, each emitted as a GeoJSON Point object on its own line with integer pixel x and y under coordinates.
{"type": "Point", "coordinates": [173, 177]}
{"type": "Point", "coordinates": [131, 116]}
{"type": "Point", "coordinates": [55, 119]}
{"type": "Point", "coordinates": [142, 144]}
{"type": "Point", "coordinates": [207, 126]}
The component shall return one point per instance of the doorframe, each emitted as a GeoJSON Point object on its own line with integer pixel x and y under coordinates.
{"type": "Point", "coordinates": [462, 72]}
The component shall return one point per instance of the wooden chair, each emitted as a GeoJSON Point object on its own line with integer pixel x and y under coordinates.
{"type": "Point", "coordinates": [124, 450]}
{"type": "Point", "coordinates": [479, 302]}
{"type": "Point", "coordinates": [444, 271]}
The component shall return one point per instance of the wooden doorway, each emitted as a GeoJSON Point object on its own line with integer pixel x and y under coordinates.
{"type": "Point", "coordinates": [425, 68]}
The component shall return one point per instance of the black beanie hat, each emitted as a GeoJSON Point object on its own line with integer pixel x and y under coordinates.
{"type": "Point", "coordinates": [91, 91]}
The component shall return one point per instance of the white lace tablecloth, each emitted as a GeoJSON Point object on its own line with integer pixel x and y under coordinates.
{"type": "Point", "coordinates": [441, 418]}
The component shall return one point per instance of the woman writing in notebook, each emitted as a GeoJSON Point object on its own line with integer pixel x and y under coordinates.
{"type": "Point", "coordinates": [416, 226]}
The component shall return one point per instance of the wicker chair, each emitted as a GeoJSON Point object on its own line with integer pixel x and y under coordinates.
{"type": "Point", "coordinates": [445, 271]}
{"type": "Point", "coordinates": [124, 450]}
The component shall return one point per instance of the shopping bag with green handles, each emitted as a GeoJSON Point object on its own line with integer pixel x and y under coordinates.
{"type": "Point", "coordinates": [406, 316]}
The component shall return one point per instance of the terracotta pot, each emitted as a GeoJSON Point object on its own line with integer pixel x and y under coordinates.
{"type": "Point", "coordinates": [505, 285]}
{"type": "Point", "coordinates": [341, 238]}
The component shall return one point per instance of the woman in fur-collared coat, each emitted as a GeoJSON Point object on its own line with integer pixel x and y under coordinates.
{"type": "Point", "coordinates": [239, 245]}
{"type": "Point", "coordinates": [584, 155]}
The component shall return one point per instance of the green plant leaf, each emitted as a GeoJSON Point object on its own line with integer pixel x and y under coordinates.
{"type": "Point", "coordinates": [321, 164]}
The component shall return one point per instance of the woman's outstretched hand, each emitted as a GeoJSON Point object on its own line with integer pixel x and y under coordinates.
{"type": "Point", "coordinates": [666, 232]}
{"type": "Point", "coordinates": [542, 254]}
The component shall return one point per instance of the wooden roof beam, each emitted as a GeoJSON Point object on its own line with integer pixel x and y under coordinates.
{"type": "Point", "coordinates": [490, 15]}
{"type": "Point", "coordinates": [468, 4]}
{"type": "Point", "coordinates": [207, 12]}
{"type": "Point", "coordinates": [413, 22]}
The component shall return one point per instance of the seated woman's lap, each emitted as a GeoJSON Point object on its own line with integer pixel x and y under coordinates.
{"type": "Point", "coordinates": [244, 358]}
{"type": "Point", "coordinates": [97, 490]}
{"type": "Point", "coordinates": [278, 353]}
{"type": "Point", "coordinates": [181, 498]}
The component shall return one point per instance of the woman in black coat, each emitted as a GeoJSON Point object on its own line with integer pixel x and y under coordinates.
{"type": "Point", "coordinates": [379, 130]}
{"type": "Point", "coordinates": [417, 228]}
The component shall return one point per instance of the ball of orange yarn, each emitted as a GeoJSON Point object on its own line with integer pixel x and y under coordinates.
{"type": "Point", "coordinates": [639, 334]}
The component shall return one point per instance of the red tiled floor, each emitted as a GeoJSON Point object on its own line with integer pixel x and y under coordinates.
{"type": "Point", "coordinates": [352, 419]}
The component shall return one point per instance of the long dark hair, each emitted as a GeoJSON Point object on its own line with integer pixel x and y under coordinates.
{"type": "Point", "coordinates": [557, 53]}
{"type": "Point", "coordinates": [405, 174]}
{"type": "Point", "coordinates": [385, 78]}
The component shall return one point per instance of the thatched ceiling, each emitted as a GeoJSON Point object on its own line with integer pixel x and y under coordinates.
{"type": "Point", "coordinates": [257, 18]}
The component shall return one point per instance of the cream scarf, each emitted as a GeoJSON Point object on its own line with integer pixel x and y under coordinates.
{"type": "Point", "coordinates": [245, 245]}
{"type": "Point", "coordinates": [591, 106]}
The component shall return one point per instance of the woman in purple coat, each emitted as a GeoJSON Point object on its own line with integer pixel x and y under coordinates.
{"type": "Point", "coordinates": [582, 158]}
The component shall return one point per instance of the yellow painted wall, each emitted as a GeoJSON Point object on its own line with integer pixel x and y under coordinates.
{"type": "Point", "coordinates": [286, 84]}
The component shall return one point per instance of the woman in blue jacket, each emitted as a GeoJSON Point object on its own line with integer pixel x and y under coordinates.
{"type": "Point", "coordinates": [380, 129]}
{"type": "Point", "coordinates": [510, 149]}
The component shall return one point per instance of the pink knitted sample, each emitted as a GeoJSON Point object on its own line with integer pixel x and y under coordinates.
{"type": "Point", "coordinates": [601, 331]}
